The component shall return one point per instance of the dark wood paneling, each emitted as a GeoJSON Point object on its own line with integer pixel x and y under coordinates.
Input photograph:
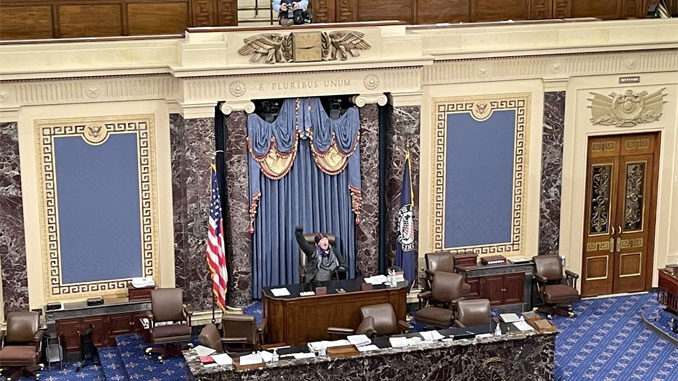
{"type": "Point", "coordinates": [227, 13]}
{"type": "Point", "coordinates": [69, 328]}
{"type": "Point", "coordinates": [475, 288]}
{"type": "Point", "coordinates": [541, 9]}
{"type": "Point", "coordinates": [25, 22]}
{"type": "Point", "coordinates": [605, 9]}
{"type": "Point", "coordinates": [99, 329]}
{"type": "Point", "coordinates": [161, 18]}
{"type": "Point", "coordinates": [90, 20]}
{"type": "Point", "coordinates": [498, 10]}
{"type": "Point", "coordinates": [203, 12]}
{"type": "Point", "coordinates": [323, 11]}
{"type": "Point", "coordinates": [490, 287]}
{"type": "Point", "coordinates": [513, 288]}
{"type": "Point", "coordinates": [368, 10]}
{"type": "Point", "coordinates": [437, 11]}
{"type": "Point", "coordinates": [346, 11]}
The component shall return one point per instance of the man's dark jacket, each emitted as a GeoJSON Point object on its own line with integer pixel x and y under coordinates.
{"type": "Point", "coordinates": [310, 251]}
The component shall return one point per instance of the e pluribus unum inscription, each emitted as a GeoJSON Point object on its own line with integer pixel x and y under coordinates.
{"type": "Point", "coordinates": [311, 84]}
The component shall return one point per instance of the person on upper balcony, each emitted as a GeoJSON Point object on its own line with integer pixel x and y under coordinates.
{"type": "Point", "coordinates": [290, 12]}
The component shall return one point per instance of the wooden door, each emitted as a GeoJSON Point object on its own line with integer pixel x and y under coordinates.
{"type": "Point", "coordinates": [620, 206]}
{"type": "Point", "coordinates": [514, 285]}
{"type": "Point", "coordinates": [491, 287]}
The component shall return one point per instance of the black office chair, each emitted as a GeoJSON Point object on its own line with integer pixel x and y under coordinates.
{"type": "Point", "coordinates": [303, 260]}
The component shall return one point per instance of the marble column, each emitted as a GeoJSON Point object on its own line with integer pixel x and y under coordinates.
{"type": "Point", "coordinates": [236, 217]}
{"type": "Point", "coordinates": [193, 148]}
{"type": "Point", "coordinates": [552, 171]}
{"type": "Point", "coordinates": [367, 231]}
{"type": "Point", "coordinates": [404, 128]}
{"type": "Point", "coordinates": [12, 244]}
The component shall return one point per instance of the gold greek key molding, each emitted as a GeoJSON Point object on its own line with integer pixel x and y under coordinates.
{"type": "Point", "coordinates": [92, 131]}
{"type": "Point", "coordinates": [598, 246]}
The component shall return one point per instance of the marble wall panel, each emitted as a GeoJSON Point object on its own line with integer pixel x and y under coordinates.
{"type": "Point", "coordinates": [367, 231]}
{"type": "Point", "coordinates": [191, 184]}
{"type": "Point", "coordinates": [177, 152]}
{"type": "Point", "coordinates": [12, 244]}
{"type": "Point", "coordinates": [404, 129]}
{"type": "Point", "coordinates": [552, 172]}
{"type": "Point", "coordinates": [236, 217]}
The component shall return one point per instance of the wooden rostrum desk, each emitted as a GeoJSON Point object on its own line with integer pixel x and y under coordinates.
{"type": "Point", "coordinates": [507, 286]}
{"type": "Point", "coordinates": [108, 320]}
{"type": "Point", "coordinates": [298, 319]}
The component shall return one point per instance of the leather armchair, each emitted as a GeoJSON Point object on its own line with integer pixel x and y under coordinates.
{"type": "Point", "coordinates": [438, 261]}
{"type": "Point", "coordinates": [242, 330]}
{"type": "Point", "coordinates": [167, 308]}
{"type": "Point", "coordinates": [556, 291]}
{"type": "Point", "coordinates": [446, 291]}
{"type": "Point", "coordinates": [376, 319]}
{"type": "Point", "coordinates": [21, 345]}
{"type": "Point", "coordinates": [303, 260]}
{"type": "Point", "coordinates": [472, 312]}
{"type": "Point", "coordinates": [209, 337]}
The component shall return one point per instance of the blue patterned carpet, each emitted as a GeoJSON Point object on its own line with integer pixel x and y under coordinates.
{"type": "Point", "coordinates": [605, 341]}
{"type": "Point", "coordinates": [608, 341]}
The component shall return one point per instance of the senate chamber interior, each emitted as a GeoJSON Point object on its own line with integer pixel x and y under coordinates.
{"type": "Point", "coordinates": [338, 190]}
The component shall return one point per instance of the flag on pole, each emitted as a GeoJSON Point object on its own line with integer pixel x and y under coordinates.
{"type": "Point", "coordinates": [216, 255]}
{"type": "Point", "coordinates": [405, 255]}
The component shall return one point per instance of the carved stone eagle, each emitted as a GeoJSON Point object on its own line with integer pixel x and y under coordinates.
{"type": "Point", "coordinates": [273, 46]}
{"type": "Point", "coordinates": [627, 109]}
{"type": "Point", "coordinates": [340, 44]}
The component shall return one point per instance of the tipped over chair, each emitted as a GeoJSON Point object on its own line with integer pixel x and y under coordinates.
{"type": "Point", "coordinates": [175, 322]}
{"type": "Point", "coordinates": [210, 337]}
{"type": "Point", "coordinates": [376, 319]}
{"type": "Point", "coordinates": [242, 330]}
{"type": "Point", "coordinates": [21, 345]}
{"type": "Point", "coordinates": [556, 291]}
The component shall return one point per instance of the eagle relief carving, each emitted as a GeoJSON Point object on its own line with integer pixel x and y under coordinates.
{"type": "Point", "coordinates": [628, 109]}
{"type": "Point", "coordinates": [278, 48]}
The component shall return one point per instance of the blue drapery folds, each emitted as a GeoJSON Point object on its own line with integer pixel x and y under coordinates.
{"type": "Point", "coordinates": [286, 189]}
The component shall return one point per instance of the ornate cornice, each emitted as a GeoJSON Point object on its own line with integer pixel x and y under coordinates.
{"type": "Point", "coordinates": [549, 67]}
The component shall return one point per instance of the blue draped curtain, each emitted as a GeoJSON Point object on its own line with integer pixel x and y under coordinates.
{"type": "Point", "coordinates": [291, 185]}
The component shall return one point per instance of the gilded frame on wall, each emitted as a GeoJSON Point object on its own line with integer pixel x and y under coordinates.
{"type": "Point", "coordinates": [480, 109]}
{"type": "Point", "coordinates": [94, 131]}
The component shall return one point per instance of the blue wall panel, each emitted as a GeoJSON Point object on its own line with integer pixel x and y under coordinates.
{"type": "Point", "coordinates": [98, 208]}
{"type": "Point", "coordinates": [479, 179]}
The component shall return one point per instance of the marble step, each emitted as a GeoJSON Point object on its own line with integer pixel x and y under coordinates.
{"type": "Point", "coordinates": [112, 365]}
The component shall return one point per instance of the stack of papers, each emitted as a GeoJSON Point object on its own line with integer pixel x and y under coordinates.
{"type": "Point", "coordinates": [523, 326]}
{"type": "Point", "coordinates": [359, 340]}
{"type": "Point", "coordinates": [254, 358]}
{"type": "Point", "coordinates": [431, 335]}
{"type": "Point", "coordinates": [404, 341]}
{"type": "Point", "coordinates": [509, 318]}
{"type": "Point", "coordinates": [375, 280]}
{"type": "Point", "coordinates": [280, 292]}
{"type": "Point", "coordinates": [316, 346]}
{"type": "Point", "coordinates": [303, 355]}
{"type": "Point", "coordinates": [306, 293]}
{"type": "Point", "coordinates": [223, 359]}
{"type": "Point", "coordinates": [203, 351]}
{"type": "Point", "coordinates": [367, 348]}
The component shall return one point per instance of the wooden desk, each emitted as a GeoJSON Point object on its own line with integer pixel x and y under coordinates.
{"type": "Point", "coordinates": [668, 289]}
{"type": "Point", "coordinates": [298, 319]}
{"type": "Point", "coordinates": [507, 286]}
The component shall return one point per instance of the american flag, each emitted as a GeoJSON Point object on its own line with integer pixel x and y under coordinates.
{"type": "Point", "coordinates": [216, 255]}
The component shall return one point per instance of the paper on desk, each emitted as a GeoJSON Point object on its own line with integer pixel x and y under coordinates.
{"type": "Point", "coordinates": [266, 356]}
{"type": "Point", "coordinates": [280, 292]}
{"type": "Point", "coordinates": [203, 351]}
{"type": "Point", "coordinates": [359, 340]}
{"type": "Point", "coordinates": [211, 365]}
{"type": "Point", "coordinates": [222, 359]}
{"type": "Point", "coordinates": [375, 280]}
{"type": "Point", "coordinates": [431, 335]}
{"type": "Point", "coordinates": [303, 355]}
{"type": "Point", "coordinates": [336, 343]}
{"type": "Point", "coordinates": [509, 318]}
{"type": "Point", "coordinates": [254, 358]}
{"type": "Point", "coordinates": [367, 348]}
{"type": "Point", "coordinates": [523, 326]}
{"type": "Point", "coordinates": [399, 342]}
